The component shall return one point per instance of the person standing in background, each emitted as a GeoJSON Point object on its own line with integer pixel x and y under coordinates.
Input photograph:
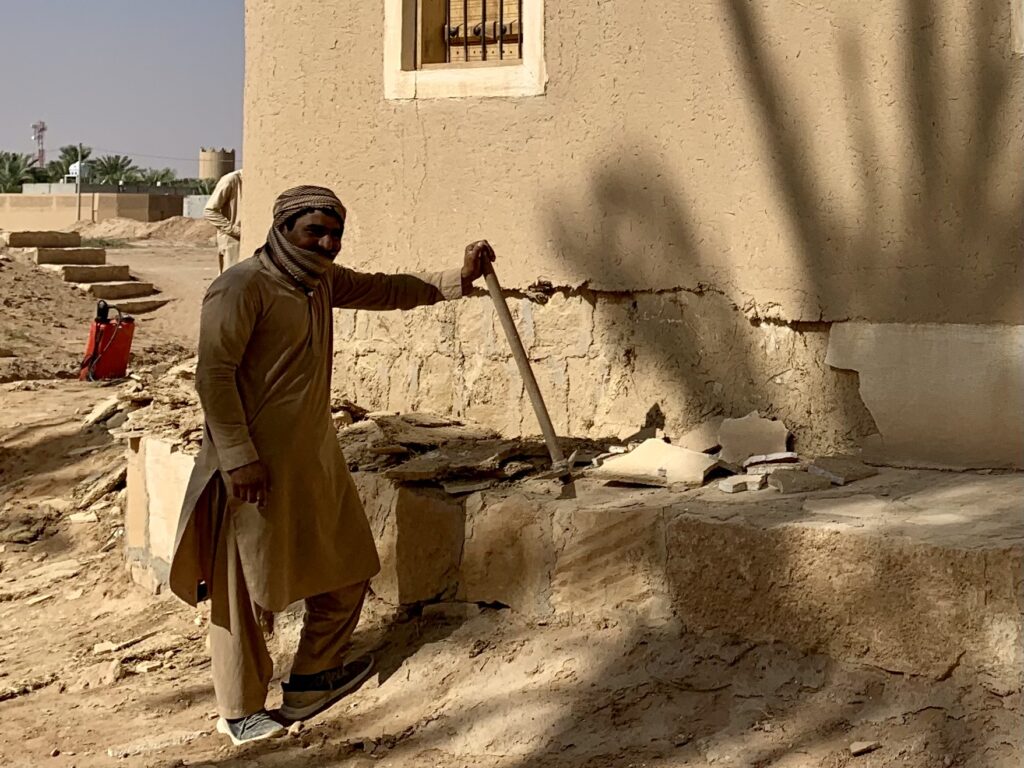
{"type": "Point", "coordinates": [224, 211]}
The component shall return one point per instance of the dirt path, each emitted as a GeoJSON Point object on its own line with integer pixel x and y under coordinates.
{"type": "Point", "coordinates": [182, 272]}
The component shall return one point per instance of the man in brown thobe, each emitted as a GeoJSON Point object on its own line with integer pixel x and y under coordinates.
{"type": "Point", "coordinates": [271, 514]}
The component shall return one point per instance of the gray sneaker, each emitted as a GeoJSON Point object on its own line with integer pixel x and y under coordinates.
{"type": "Point", "coordinates": [305, 695]}
{"type": "Point", "coordinates": [254, 727]}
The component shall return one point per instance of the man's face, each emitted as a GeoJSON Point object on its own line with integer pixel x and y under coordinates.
{"type": "Point", "coordinates": [319, 232]}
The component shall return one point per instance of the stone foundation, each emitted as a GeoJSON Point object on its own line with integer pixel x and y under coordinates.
{"type": "Point", "coordinates": [916, 572]}
{"type": "Point", "coordinates": [607, 364]}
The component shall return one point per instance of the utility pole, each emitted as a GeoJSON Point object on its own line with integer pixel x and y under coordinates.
{"type": "Point", "coordinates": [78, 182]}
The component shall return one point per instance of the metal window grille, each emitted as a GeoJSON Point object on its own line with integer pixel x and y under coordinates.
{"type": "Point", "coordinates": [482, 30]}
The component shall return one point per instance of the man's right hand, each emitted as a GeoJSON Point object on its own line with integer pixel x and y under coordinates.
{"type": "Point", "coordinates": [250, 483]}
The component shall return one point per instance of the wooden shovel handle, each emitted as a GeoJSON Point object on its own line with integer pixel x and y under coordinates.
{"type": "Point", "coordinates": [523, 363]}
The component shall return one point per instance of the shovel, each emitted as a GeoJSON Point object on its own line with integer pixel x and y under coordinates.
{"type": "Point", "coordinates": [560, 466]}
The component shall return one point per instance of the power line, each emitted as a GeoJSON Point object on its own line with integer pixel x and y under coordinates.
{"type": "Point", "coordinates": [141, 154]}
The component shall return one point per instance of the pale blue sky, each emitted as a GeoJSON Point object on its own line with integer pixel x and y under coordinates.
{"type": "Point", "coordinates": [139, 77]}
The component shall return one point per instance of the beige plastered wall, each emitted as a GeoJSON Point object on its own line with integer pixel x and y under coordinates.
{"type": "Point", "coordinates": [705, 185]}
{"type": "Point", "coordinates": [55, 212]}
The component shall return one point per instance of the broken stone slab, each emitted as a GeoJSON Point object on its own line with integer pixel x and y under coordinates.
{"type": "Point", "coordinates": [797, 481]}
{"type": "Point", "coordinates": [702, 438]}
{"type": "Point", "coordinates": [784, 457]}
{"type": "Point", "coordinates": [98, 675]}
{"type": "Point", "coordinates": [459, 487]}
{"type": "Point", "coordinates": [655, 462]}
{"type": "Point", "coordinates": [859, 748]}
{"type": "Point", "coordinates": [840, 470]}
{"type": "Point", "coordinates": [740, 483]}
{"type": "Point", "coordinates": [109, 482]}
{"type": "Point", "coordinates": [102, 411]}
{"type": "Point", "coordinates": [749, 436]}
{"type": "Point", "coordinates": [83, 517]}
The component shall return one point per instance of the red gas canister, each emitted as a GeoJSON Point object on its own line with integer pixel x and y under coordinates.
{"type": "Point", "coordinates": [109, 346]}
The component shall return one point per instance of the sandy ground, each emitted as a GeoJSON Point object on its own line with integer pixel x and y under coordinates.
{"type": "Point", "coordinates": [96, 672]}
{"type": "Point", "coordinates": [180, 272]}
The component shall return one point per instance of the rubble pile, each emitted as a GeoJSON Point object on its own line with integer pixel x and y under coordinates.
{"type": "Point", "coordinates": [747, 454]}
{"type": "Point", "coordinates": [743, 454]}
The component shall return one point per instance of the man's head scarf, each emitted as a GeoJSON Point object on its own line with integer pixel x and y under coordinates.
{"type": "Point", "coordinates": [305, 267]}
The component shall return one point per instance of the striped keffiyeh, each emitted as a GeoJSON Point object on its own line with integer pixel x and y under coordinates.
{"type": "Point", "coordinates": [305, 267]}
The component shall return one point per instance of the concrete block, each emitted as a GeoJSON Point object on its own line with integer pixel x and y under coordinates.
{"type": "Point", "coordinates": [509, 553]}
{"type": "Point", "coordinates": [797, 481]}
{"type": "Point", "coordinates": [40, 239]}
{"type": "Point", "coordinates": [749, 436]}
{"type": "Point", "coordinates": [121, 289]}
{"type": "Point", "coordinates": [944, 396]}
{"type": "Point", "coordinates": [68, 255]}
{"type": "Point", "coordinates": [840, 470]}
{"type": "Point", "coordinates": [419, 534]}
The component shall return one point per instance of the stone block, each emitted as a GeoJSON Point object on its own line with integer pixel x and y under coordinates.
{"type": "Point", "coordinates": [797, 481]}
{"type": "Point", "coordinates": [68, 255]}
{"type": "Point", "coordinates": [166, 478]}
{"type": "Point", "coordinates": [610, 561]}
{"type": "Point", "coordinates": [40, 239]}
{"type": "Point", "coordinates": [419, 535]}
{"type": "Point", "coordinates": [896, 602]}
{"type": "Point", "coordinates": [509, 552]}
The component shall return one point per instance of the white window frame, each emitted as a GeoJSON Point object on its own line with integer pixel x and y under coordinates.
{"type": "Point", "coordinates": [526, 78]}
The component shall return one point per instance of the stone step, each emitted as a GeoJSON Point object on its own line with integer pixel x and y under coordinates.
{"type": "Point", "coordinates": [143, 305]}
{"type": "Point", "coordinates": [120, 289]}
{"type": "Point", "coordinates": [40, 239]}
{"type": "Point", "coordinates": [77, 256]}
{"type": "Point", "coordinates": [90, 273]}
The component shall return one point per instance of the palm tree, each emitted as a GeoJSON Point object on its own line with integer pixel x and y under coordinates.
{"type": "Point", "coordinates": [15, 170]}
{"type": "Point", "coordinates": [114, 169]}
{"type": "Point", "coordinates": [152, 176]}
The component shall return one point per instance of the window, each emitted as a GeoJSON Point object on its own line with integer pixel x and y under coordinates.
{"type": "Point", "coordinates": [453, 32]}
{"type": "Point", "coordinates": [463, 48]}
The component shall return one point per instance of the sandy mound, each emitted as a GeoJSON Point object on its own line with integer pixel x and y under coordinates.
{"type": "Point", "coordinates": [43, 325]}
{"type": "Point", "coordinates": [177, 229]}
{"type": "Point", "coordinates": [114, 229]}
